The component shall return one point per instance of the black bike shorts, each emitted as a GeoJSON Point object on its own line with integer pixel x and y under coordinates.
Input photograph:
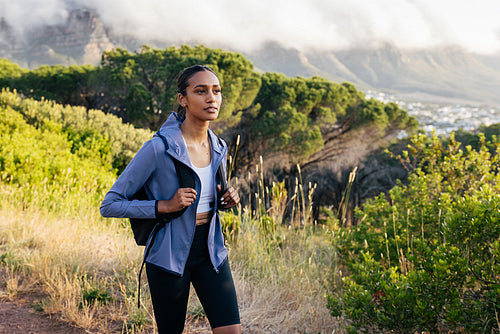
{"type": "Point", "coordinates": [216, 292]}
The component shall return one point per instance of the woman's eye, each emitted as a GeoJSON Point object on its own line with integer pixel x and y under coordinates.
{"type": "Point", "coordinates": [217, 91]}
{"type": "Point", "coordinates": [201, 91]}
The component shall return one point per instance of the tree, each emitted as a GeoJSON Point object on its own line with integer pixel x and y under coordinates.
{"type": "Point", "coordinates": [9, 71]}
{"type": "Point", "coordinates": [301, 116]}
{"type": "Point", "coordinates": [154, 71]}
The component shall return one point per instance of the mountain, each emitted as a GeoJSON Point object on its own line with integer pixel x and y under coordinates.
{"type": "Point", "coordinates": [492, 61]}
{"type": "Point", "coordinates": [80, 40]}
{"type": "Point", "coordinates": [274, 58]}
{"type": "Point", "coordinates": [446, 74]}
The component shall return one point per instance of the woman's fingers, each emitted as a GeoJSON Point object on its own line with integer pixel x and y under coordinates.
{"type": "Point", "coordinates": [230, 198]}
{"type": "Point", "coordinates": [187, 192]}
{"type": "Point", "coordinates": [182, 198]}
{"type": "Point", "coordinates": [186, 196]}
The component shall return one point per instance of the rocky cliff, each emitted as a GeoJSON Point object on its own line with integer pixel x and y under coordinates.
{"type": "Point", "coordinates": [81, 39]}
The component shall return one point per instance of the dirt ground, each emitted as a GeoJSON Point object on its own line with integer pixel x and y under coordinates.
{"type": "Point", "coordinates": [21, 317]}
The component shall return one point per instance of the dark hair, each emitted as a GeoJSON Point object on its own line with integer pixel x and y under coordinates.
{"type": "Point", "coordinates": [182, 83]}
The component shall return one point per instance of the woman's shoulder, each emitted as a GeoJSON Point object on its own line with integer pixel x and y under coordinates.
{"type": "Point", "coordinates": [159, 144]}
{"type": "Point", "coordinates": [151, 148]}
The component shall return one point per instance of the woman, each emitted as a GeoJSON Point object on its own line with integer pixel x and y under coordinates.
{"type": "Point", "coordinates": [190, 248]}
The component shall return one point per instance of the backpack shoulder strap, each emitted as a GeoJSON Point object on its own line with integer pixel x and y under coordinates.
{"type": "Point", "coordinates": [221, 179]}
{"type": "Point", "coordinates": [162, 137]}
{"type": "Point", "coordinates": [221, 174]}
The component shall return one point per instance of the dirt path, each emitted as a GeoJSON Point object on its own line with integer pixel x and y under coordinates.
{"type": "Point", "coordinates": [20, 317]}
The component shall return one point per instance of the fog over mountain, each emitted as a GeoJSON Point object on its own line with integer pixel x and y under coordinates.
{"type": "Point", "coordinates": [422, 48]}
{"type": "Point", "coordinates": [246, 25]}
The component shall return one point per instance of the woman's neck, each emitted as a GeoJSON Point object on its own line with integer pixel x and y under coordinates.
{"type": "Point", "coordinates": [198, 145]}
{"type": "Point", "coordinates": [195, 132]}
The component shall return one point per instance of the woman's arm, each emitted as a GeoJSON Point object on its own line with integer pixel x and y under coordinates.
{"type": "Point", "coordinates": [116, 203]}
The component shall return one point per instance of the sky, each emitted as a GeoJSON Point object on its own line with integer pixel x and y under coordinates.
{"type": "Point", "coordinates": [303, 24]}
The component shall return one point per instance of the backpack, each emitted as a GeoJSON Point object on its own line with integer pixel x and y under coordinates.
{"type": "Point", "coordinates": [147, 228]}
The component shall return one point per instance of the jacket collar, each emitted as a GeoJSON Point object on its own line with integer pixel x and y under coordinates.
{"type": "Point", "coordinates": [177, 146]}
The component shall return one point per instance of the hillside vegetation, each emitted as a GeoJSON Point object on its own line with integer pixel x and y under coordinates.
{"type": "Point", "coordinates": [426, 258]}
{"type": "Point", "coordinates": [140, 88]}
{"type": "Point", "coordinates": [322, 125]}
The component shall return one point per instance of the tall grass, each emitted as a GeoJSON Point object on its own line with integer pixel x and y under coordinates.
{"type": "Point", "coordinates": [87, 266]}
{"type": "Point", "coordinates": [285, 258]}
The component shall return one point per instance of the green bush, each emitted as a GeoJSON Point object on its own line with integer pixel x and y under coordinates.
{"type": "Point", "coordinates": [60, 158]}
{"type": "Point", "coordinates": [9, 71]}
{"type": "Point", "coordinates": [64, 84]}
{"type": "Point", "coordinates": [91, 133]}
{"type": "Point", "coordinates": [425, 258]}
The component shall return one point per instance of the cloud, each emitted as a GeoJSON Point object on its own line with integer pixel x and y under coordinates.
{"type": "Point", "coordinates": [23, 15]}
{"type": "Point", "coordinates": [319, 24]}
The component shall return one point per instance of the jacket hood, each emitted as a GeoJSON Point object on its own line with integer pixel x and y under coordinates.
{"type": "Point", "coordinates": [176, 145]}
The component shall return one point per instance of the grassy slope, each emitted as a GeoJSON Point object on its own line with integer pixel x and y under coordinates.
{"type": "Point", "coordinates": [53, 240]}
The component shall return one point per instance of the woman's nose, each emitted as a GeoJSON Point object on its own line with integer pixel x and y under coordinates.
{"type": "Point", "coordinates": [210, 96]}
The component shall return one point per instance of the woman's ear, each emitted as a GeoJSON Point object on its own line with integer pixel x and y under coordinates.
{"type": "Point", "coordinates": [181, 99]}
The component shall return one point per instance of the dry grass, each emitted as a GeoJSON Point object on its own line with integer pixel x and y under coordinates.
{"type": "Point", "coordinates": [86, 269]}
{"type": "Point", "coordinates": [273, 308]}
{"type": "Point", "coordinates": [66, 259]}
{"type": "Point", "coordinates": [282, 292]}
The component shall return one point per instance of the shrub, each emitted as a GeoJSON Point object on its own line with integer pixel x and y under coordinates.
{"type": "Point", "coordinates": [426, 258]}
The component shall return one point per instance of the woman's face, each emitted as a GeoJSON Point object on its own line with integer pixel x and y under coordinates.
{"type": "Point", "coordinates": [203, 96]}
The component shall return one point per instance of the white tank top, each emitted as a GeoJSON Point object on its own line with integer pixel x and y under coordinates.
{"type": "Point", "coordinates": [207, 188]}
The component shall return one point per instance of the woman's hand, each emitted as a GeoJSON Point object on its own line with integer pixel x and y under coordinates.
{"type": "Point", "coordinates": [182, 198]}
{"type": "Point", "coordinates": [230, 198]}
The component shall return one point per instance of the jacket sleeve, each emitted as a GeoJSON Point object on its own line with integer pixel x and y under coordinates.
{"type": "Point", "coordinates": [116, 203]}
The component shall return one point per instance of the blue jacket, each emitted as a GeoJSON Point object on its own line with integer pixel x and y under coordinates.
{"type": "Point", "coordinates": [154, 169]}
